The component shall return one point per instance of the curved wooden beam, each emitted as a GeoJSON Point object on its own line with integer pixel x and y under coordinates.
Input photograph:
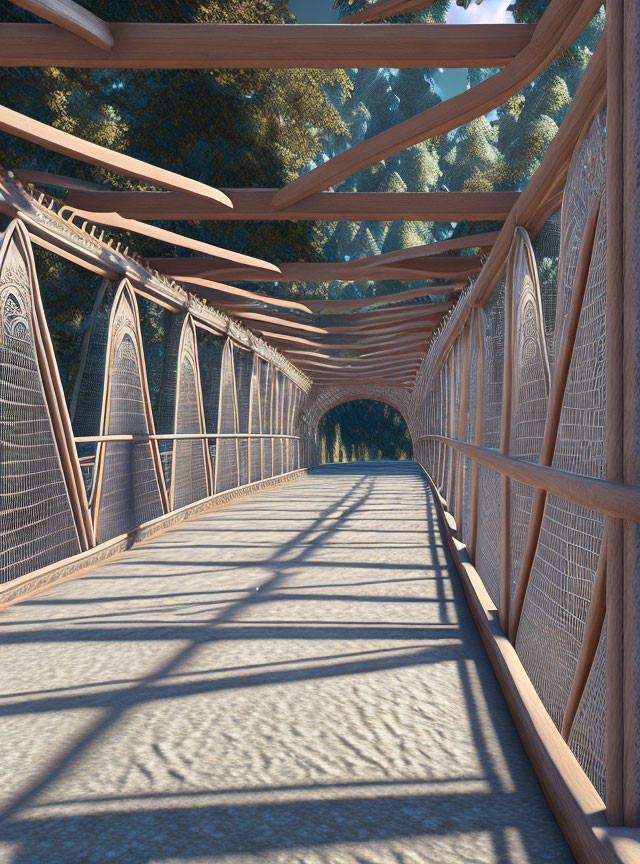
{"type": "Point", "coordinates": [85, 151]}
{"type": "Point", "coordinates": [435, 267]}
{"type": "Point", "coordinates": [268, 46]}
{"type": "Point", "coordinates": [362, 344]}
{"type": "Point", "coordinates": [324, 207]}
{"type": "Point", "coordinates": [72, 17]}
{"type": "Point", "coordinates": [114, 220]}
{"type": "Point", "coordinates": [385, 9]}
{"type": "Point", "coordinates": [558, 28]}
{"type": "Point", "coordinates": [404, 256]}
{"type": "Point", "coordinates": [338, 306]}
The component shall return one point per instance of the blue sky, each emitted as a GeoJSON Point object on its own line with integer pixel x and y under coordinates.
{"type": "Point", "coordinates": [489, 12]}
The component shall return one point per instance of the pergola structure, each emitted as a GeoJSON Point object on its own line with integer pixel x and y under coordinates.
{"type": "Point", "coordinates": [522, 447]}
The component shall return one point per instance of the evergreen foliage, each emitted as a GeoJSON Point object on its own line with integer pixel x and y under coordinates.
{"type": "Point", "coordinates": [363, 430]}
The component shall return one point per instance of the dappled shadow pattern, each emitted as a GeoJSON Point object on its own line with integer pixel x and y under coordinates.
{"type": "Point", "coordinates": [295, 678]}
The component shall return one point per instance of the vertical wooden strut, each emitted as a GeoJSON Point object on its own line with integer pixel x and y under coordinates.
{"type": "Point", "coordinates": [614, 735]}
{"type": "Point", "coordinates": [631, 402]}
{"type": "Point", "coordinates": [505, 444]}
{"type": "Point", "coordinates": [477, 438]}
{"type": "Point", "coordinates": [554, 410]}
{"type": "Point", "coordinates": [462, 421]}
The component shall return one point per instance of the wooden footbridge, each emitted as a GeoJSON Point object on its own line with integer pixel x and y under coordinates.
{"type": "Point", "coordinates": [351, 662]}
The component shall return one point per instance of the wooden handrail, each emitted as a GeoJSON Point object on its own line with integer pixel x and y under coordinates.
{"type": "Point", "coordinates": [611, 499]}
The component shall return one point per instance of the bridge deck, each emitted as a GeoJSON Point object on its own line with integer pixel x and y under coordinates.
{"type": "Point", "coordinates": [295, 678]}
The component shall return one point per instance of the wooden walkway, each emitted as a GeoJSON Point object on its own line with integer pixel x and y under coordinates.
{"type": "Point", "coordinates": [295, 678]}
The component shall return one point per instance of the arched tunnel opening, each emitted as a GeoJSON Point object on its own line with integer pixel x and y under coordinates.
{"type": "Point", "coordinates": [363, 430]}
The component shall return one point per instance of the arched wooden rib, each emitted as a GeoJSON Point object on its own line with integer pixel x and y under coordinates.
{"type": "Point", "coordinates": [344, 346]}
{"type": "Point", "coordinates": [129, 487]}
{"type": "Point", "coordinates": [268, 46]}
{"type": "Point", "coordinates": [72, 17]}
{"type": "Point", "coordinates": [385, 9]}
{"type": "Point", "coordinates": [558, 28]}
{"type": "Point", "coordinates": [114, 220]}
{"type": "Point", "coordinates": [43, 507]}
{"type": "Point", "coordinates": [60, 181]}
{"type": "Point", "coordinates": [86, 151]}
{"type": "Point", "coordinates": [257, 204]}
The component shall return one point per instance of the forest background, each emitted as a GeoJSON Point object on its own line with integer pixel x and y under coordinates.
{"type": "Point", "coordinates": [263, 128]}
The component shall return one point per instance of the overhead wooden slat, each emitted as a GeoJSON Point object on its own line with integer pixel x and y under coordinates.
{"type": "Point", "coordinates": [327, 344]}
{"type": "Point", "coordinates": [385, 9]}
{"type": "Point", "coordinates": [324, 207]}
{"type": "Point", "coordinates": [268, 46]}
{"type": "Point", "coordinates": [72, 17]}
{"type": "Point", "coordinates": [85, 151]}
{"type": "Point", "coordinates": [558, 28]}
{"type": "Point", "coordinates": [401, 256]}
{"type": "Point", "coordinates": [114, 220]}
{"type": "Point", "coordinates": [338, 306]}
{"type": "Point", "coordinates": [434, 267]}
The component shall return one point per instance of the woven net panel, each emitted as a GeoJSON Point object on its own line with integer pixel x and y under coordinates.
{"type": "Point", "coordinates": [255, 423]}
{"type": "Point", "coordinates": [129, 495]}
{"type": "Point", "coordinates": [36, 521]}
{"type": "Point", "coordinates": [585, 185]}
{"type": "Point", "coordinates": [559, 592]}
{"type": "Point", "coordinates": [470, 429]}
{"type": "Point", "coordinates": [531, 384]}
{"type": "Point", "coordinates": [86, 404]}
{"type": "Point", "coordinates": [277, 422]}
{"type": "Point", "coordinates": [210, 348]}
{"type": "Point", "coordinates": [546, 248]}
{"type": "Point", "coordinates": [243, 364]}
{"type": "Point", "coordinates": [266, 393]}
{"type": "Point", "coordinates": [227, 467]}
{"type": "Point", "coordinates": [161, 334]}
{"type": "Point", "coordinates": [587, 736]}
{"type": "Point", "coordinates": [189, 470]}
{"type": "Point", "coordinates": [488, 545]}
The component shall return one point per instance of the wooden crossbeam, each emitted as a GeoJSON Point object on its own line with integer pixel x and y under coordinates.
{"type": "Point", "coordinates": [560, 25]}
{"type": "Point", "coordinates": [72, 17]}
{"type": "Point", "coordinates": [77, 148]}
{"type": "Point", "coordinates": [432, 267]}
{"type": "Point", "coordinates": [268, 46]}
{"type": "Point", "coordinates": [362, 344]}
{"type": "Point", "coordinates": [385, 9]}
{"type": "Point", "coordinates": [325, 206]}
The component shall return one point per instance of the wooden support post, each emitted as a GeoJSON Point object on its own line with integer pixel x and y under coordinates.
{"type": "Point", "coordinates": [477, 438]}
{"type": "Point", "coordinates": [462, 421]}
{"type": "Point", "coordinates": [631, 404]}
{"type": "Point", "coordinates": [614, 420]}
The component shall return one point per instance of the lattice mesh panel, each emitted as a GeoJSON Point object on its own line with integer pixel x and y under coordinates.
{"type": "Point", "coordinates": [488, 545]}
{"type": "Point", "coordinates": [587, 736]}
{"type": "Point", "coordinates": [36, 523]}
{"type": "Point", "coordinates": [189, 477]}
{"type": "Point", "coordinates": [130, 494]}
{"type": "Point", "coordinates": [531, 384]}
{"type": "Point", "coordinates": [255, 427]}
{"type": "Point", "coordinates": [559, 592]}
{"type": "Point", "coordinates": [470, 430]}
{"type": "Point", "coordinates": [243, 364]}
{"type": "Point", "coordinates": [277, 422]}
{"type": "Point", "coordinates": [210, 349]}
{"type": "Point", "coordinates": [585, 185]}
{"type": "Point", "coordinates": [266, 382]}
{"type": "Point", "coordinates": [227, 469]}
{"type": "Point", "coordinates": [161, 331]}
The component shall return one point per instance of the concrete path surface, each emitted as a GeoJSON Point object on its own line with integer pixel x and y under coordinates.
{"type": "Point", "coordinates": [294, 678]}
